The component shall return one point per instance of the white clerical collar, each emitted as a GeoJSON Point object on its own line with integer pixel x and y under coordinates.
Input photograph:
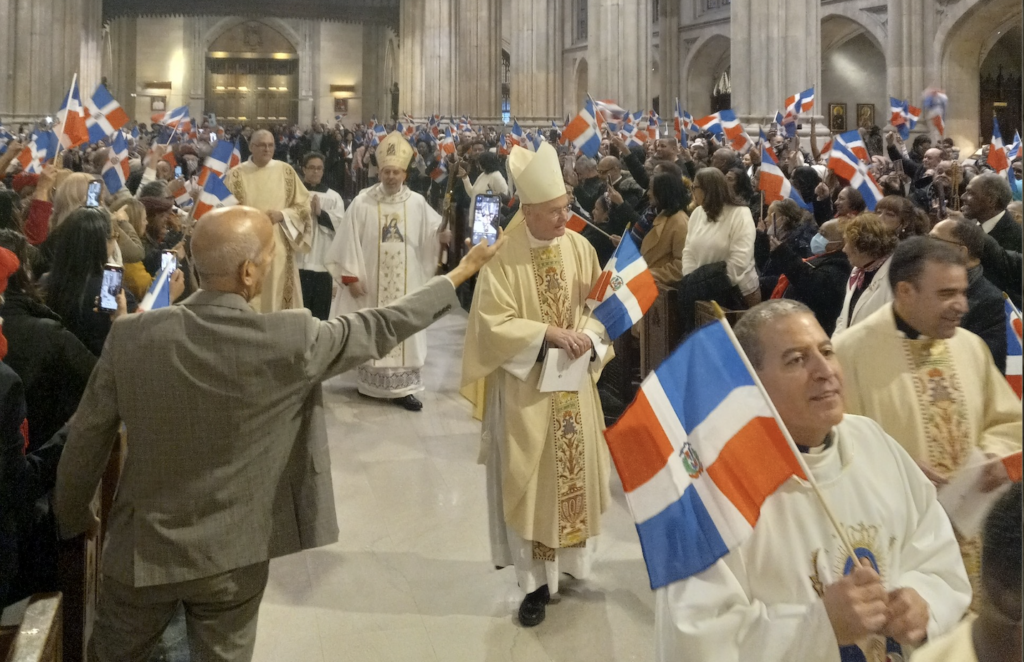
{"type": "Point", "coordinates": [538, 243]}
{"type": "Point", "coordinates": [991, 223]}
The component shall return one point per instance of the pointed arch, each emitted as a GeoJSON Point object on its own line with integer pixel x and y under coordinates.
{"type": "Point", "coordinates": [708, 60]}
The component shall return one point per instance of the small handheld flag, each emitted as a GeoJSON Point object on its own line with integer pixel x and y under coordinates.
{"type": "Point", "coordinates": [582, 131]}
{"type": "Point", "coordinates": [997, 150]}
{"type": "Point", "coordinates": [624, 291]}
{"type": "Point", "coordinates": [71, 119]}
{"type": "Point", "coordinates": [215, 194]}
{"type": "Point", "coordinates": [1014, 371]}
{"type": "Point", "coordinates": [116, 170]}
{"type": "Point", "coordinates": [104, 115]}
{"type": "Point", "coordinates": [844, 163]}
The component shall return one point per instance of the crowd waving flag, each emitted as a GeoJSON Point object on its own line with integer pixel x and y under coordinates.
{"type": "Point", "coordinates": [699, 451]}
{"type": "Point", "coordinates": [624, 291]}
{"type": "Point", "coordinates": [724, 123]}
{"type": "Point", "coordinates": [1014, 371]}
{"type": "Point", "coordinates": [104, 116]}
{"type": "Point", "coordinates": [176, 118]}
{"type": "Point", "coordinates": [904, 116]}
{"type": "Point", "coordinates": [582, 132]}
{"type": "Point", "coordinates": [774, 182]}
{"type": "Point", "coordinates": [997, 150]}
{"type": "Point", "coordinates": [845, 164]}
{"type": "Point", "coordinates": [116, 170]}
{"type": "Point", "coordinates": [855, 143]}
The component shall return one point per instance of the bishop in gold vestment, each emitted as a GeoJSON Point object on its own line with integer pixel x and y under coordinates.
{"type": "Point", "coordinates": [547, 462]}
{"type": "Point", "coordinates": [274, 186]}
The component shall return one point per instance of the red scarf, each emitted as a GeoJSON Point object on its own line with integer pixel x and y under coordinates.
{"type": "Point", "coordinates": [857, 275]}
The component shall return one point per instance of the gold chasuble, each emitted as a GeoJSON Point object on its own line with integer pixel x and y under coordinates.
{"type": "Point", "coordinates": [940, 399]}
{"type": "Point", "coordinates": [554, 464]}
{"type": "Point", "coordinates": [277, 187]}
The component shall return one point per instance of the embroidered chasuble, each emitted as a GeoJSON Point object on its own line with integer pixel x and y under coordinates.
{"type": "Point", "coordinates": [940, 399]}
{"type": "Point", "coordinates": [277, 187]}
{"type": "Point", "coordinates": [547, 451]}
{"type": "Point", "coordinates": [390, 244]}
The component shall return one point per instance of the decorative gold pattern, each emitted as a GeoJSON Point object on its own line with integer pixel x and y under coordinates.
{"type": "Point", "coordinates": [941, 400]}
{"type": "Point", "coordinates": [392, 270]}
{"type": "Point", "coordinates": [542, 552]}
{"type": "Point", "coordinates": [566, 417]}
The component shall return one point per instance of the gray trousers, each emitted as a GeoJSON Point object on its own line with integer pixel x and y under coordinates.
{"type": "Point", "coordinates": [220, 616]}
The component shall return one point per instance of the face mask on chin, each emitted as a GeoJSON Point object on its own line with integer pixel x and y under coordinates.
{"type": "Point", "coordinates": [818, 244]}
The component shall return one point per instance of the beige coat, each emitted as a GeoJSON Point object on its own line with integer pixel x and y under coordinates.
{"type": "Point", "coordinates": [227, 462]}
{"type": "Point", "coordinates": [877, 294]}
{"type": "Point", "coordinates": [662, 247]}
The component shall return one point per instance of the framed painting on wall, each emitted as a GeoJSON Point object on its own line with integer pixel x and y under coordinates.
{"type": "Point", "coordinates": [837, 117]}
{"type": "Point", "coordinates": [341, 106]}
{"type": "Point", "coordinates": [865, 115]}
{"type": "Point", "coordinates": [158, 104]}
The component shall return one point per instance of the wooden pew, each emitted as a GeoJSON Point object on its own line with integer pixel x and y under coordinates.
{"type": "Point", "coordinates": [39, 638]}
{"type": "Point", "coordinates": [660, 330]}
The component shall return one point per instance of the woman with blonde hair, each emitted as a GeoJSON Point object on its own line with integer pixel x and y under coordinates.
{"type": "Point", "coordinates": [130, 215]}
{"type": "Point", "coordinates": [71, 194]}
{"type": "Point", "coordinates": [869, 244]}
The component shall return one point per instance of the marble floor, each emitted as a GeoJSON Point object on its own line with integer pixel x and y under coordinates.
{"type": "Point", "coordinates": [410, 579]}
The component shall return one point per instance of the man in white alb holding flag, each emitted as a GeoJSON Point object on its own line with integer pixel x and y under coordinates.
{"type": "Point", "coordinates": [751, 558]}
{"type": "Point", "coordinates": [547, 463]}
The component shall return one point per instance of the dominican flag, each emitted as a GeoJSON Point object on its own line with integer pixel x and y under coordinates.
{"type": "Point", "coordinates": [577, 222]}
{"type": "Point", "coordinates": [773, 182]}
{"type": "Point", "coordinates": [1013, 347]}
{"type": "Point", "coordinates": [115, 170]}
{"type": "Point", "coordinates": [653, 125]}
{"type": "Point", "coordinates": [71, 118]}
{"type": "Point", "coordinates": [904, 116]}
{"type": "Point", "coordinates": [516, 136]}
{"type": "Point", "coordinates": [373, 123]}
{"type": "Point", "coordinates": [608, 112]}
{"type": "Point", "coordinates": [1012, 153]}
{"type": "Point", "coordinates": [236, 156]}
{"type": "Point", "coordinates": [5, 137]}
{"type": "Point", "coordinates": [582, 131]}
{"type": "Point", "coordinates": [630, 130]}
{"type": "Point", "coordinates": [448, 143]}
{"type": "Point", "coordinates": [159, 293]}
{"type": "Point", "coordinates": [997, 150]}
{"type": "Point", "coordinates": [724, 123]}
{"type": "Point", "coordinates": [677, 121]}
{"type": "Point", "coordinates": [846, 165]}
{"type": "Point", "coordinates": [440, 173]}
{"type": "Point", "coordinates": [535, 141]}
{"type": "Point", "coordinates": [40, 149]}
{"type": "Point", "coordinates": [173, 118]}
{"type": "Point", "coordinates": [218, 162]}
{"type": "Point", "coordinates": [104, 115]}
{"type": "Point", "coordinates": [854, 143]}
{"type": "Point", "coordinates": [933, 104]}
{"type": "Point", "coordinates": [778, 118]}
{"type": "Point", "coordinates": [379, 133]}
{"type": "Point", "coordinates": [800, 103]}
{"type": "Point", "coordinates": [503, 147]}
{"type": "Point", "coordinates": [215, 194]}
{"type": "Point", "coordinates": [181, 195]}
{"type": "Point", "coordinates": [433, 125]}
{"type": "Point", "coordinates": [711, 123]}
{"type": "Point", "coordinates": [624, 291]}
{"type": "Point", "coordinates": [699, 451]}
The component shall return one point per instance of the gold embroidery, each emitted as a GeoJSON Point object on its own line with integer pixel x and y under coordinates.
{"type": "Point", "coordinates": [566, 417]}
{"type": "Point", "coordinates": [940, 397]}
{"type": "Point", "coordinates": [392, 270]}
{"type": "Point", "coordinates": [542, 552]}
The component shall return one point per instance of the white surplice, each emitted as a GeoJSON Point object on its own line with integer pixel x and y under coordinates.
{"type": "Point", "coordinates": [391, 245]}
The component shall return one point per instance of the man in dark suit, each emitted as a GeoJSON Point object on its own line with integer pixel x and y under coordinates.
{"type": "Point", "coordinates": [985, 201]}
{"type": "Point", "coordinates": [986, 316]}
{"type": "Point", "coordinates": [228, 464]}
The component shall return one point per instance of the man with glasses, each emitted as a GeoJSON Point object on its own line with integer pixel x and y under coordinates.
{"type": "Point", "coordinates": [547, 462]}
{"type": "Point", "coordinates": [274, 188]}
{"type": "Point", "coordinates": [327, 209]}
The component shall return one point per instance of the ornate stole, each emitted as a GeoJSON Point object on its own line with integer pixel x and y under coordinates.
{"type": "Point", "coordinates": [392, 274]}
{"type": "Point", "coordinates": [944, 417]}
{"type": "Point", "coordinates": [566, 418]}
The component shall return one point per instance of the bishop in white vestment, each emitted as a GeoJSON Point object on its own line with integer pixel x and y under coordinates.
{"type": "Point", "coordinates": [386, 246]}
{"type": "Point", "coordinates": [274, 187]}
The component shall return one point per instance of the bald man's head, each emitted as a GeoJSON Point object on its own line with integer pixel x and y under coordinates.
{"type": "Point", "coordinates": [232, 248]}
{"type": "Point", "coordinates": [725, 159]}
{"type": "Point", "coordinates": [832, 230]}
{"type": "Point", "coordinates": [261, 145]}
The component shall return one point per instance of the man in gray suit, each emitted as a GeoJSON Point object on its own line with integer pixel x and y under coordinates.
{"type": "Point", "coordinates": [227, 462]}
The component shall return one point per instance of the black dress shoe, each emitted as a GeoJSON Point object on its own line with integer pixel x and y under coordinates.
{"type": "Point", "coordinates": [532, 611]}
{"type": "Point", "coordinates": [409, 402]}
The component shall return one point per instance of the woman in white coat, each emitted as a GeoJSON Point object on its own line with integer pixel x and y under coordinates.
{"type": "Point", "coordinates": [869, 244]}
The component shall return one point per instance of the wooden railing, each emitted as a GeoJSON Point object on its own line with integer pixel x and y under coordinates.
{"type": "Point", "coordinates": [39, 637]}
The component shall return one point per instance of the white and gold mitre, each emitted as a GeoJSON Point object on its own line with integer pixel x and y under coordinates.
{"type": "Point", "coordinates": [394, 151]}
{"type": "Point", "coordinates": [537, 175]}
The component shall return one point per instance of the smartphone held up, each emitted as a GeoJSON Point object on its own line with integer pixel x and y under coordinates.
{"type": "Point", "coordinates": [113, 279]}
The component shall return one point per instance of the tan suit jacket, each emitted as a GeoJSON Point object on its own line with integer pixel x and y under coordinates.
{"type": "Point", "coordinates": [662, 247]}
{"type": "Point", "coordinates": [227, 459]}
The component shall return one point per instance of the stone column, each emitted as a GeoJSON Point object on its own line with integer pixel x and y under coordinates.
{"type": "Point", "coordinates": [44, 44]}
{"type": "Point", "coordinates": [619, 51]}
{"type": "Point", "coordinates": [427, 74]}
{"type": "Point", "coordinates": [119, 63]}
{"type": "Point", "coordinates": [375, 81]}
{"type": "Point", "coordinates": [196, 36]}
{"type": "Point", "coordinates": [309, 69]}
{"type": "Point", "coordinates": [910, 60]}
{"type": "Point", "coordinates": [536, 57]}
{"type": "Point", "coordinates": [775, 52]}
{"type": "Point", "coordinates": [669, 56]}
{"type": "Point", "coordinates": [478, 66]}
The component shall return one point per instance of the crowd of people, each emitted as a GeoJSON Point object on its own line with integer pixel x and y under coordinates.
{"type": "Point", "coordinates": [893, 316]}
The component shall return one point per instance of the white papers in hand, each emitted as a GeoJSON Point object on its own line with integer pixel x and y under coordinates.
{"type": "Point", "coordinates": [965, 503]}
{"type": "Point", "coordinates": [562, 373]}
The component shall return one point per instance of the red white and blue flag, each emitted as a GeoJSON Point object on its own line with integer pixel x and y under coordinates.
{"type": "Point", "coordinates": [516, 136]}
{"type": "Point", "coordinates": [1013, 152]}
{"type": "Point", "coordinates": [177, 118]}
{"type": "Point", "coordinates": [71, 119]}
{"type": "Point", "coordinates": [774, 182]}
{"type": "Point", "coordinates": [40, 149]}
{"type": "Point", "coordinates": [904, 116]}
{"type": "Point", "coordinates": [583, 131]}
{"type": "Point", "coordinates": [724, 123]}
{"type": "Point", "coordinates": [678, 124]}
{"type": "Point", "coordinates": [624, 291]}
{"type": "Point", "coordinates": [503, 147]}
{"type": "Point", "coordinates": [608, 112]}
{"type": "Point", "coordinates": [116, 170]}
{"type": "Point", "coordinates": [933, 103]}
{"type": "Point", "coordinates": [448, 143]}
{"type": "Point", "coordinates": [653, 125]}
{"type": "Point", "coordinates": [215, 194]}
{"type": "Point", "coordinates": [104, 116]}
{"type": "Point", "coordinates": [5, 137]}
{"type": "Point", "coordinates": [699, 451]}
{"type": "Point", "coordinates": [997, 150]}
{"type": "Point", "coordinates": [440, 173]}
{"type": "Point", "coordinates": [181, 195]}
{"type": "Point", "coordinates": [218, 162]}
{"type": "Point", "coordinates": [854, 143]}
{"type": "Point", "coordinates": [236, 156]}
{"type": "Point", "coordinates": [379, 133]}
{"type": "Point", "coordinates": [631, 129]}
{"type": "Point", "coordinates": [846, 165]}
{"type": "Point", "coordinates": [798, 104]}
{"type": "Point", "coordinates": [1014, 372]}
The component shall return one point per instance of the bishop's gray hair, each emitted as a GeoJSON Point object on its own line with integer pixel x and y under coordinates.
{"type": "Point", "coordinates": [223, 260]}
{"type": "Point", "coordinates": [748, 329]}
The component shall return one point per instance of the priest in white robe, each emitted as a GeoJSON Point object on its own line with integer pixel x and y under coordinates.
{"type": "Point", "coordinates": [792, 591]}
{"type": "Point", "coordinates": [546, 457]}
{"type": "Point", "coordinates": [387, 245]}
{"type": "Point", "coordinates": [274, 187]}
